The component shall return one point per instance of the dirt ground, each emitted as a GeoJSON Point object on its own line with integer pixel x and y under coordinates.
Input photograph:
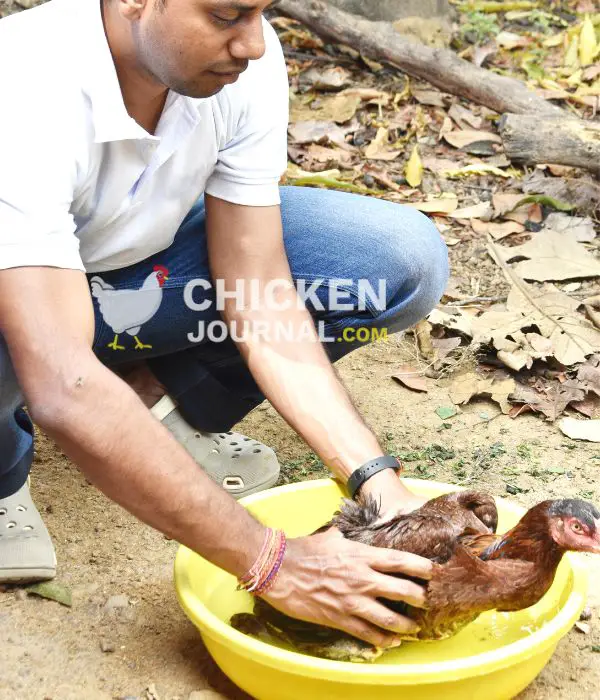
{"type": "Point", "coordinates": [55, 652]}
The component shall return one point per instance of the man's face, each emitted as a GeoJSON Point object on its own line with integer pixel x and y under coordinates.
{"type": "Point", "coordinates": [196, 47]}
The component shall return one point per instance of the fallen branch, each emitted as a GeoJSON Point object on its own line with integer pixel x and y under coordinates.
{"type": "Point", "coordinates": [530, 140]}
{"type": "Point", "coordinates": [441, 67]}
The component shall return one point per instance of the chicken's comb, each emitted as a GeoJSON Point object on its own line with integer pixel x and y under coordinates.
{"type": "Point", "coordinates": [161, 268]}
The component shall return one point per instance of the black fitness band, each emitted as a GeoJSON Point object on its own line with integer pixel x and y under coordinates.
{"type": "Point", "coordinates": [364, 473]}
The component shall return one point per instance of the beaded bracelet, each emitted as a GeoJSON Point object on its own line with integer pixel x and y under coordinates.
{"type": "Point", "coordinates": [262, 574]}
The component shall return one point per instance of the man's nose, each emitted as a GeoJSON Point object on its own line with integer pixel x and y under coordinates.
{"type": "Point", "coordinates": [249, 44]}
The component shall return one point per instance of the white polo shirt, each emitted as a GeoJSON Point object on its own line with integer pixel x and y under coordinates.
{"type": "Point", "coordinates": [82, 185]}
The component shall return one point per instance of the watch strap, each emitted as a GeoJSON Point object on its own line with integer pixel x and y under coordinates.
{"type": "Point", "coordinates": [364, 473]}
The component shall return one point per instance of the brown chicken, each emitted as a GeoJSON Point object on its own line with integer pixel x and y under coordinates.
{"type": "Point", "coordinates": [475, 570]}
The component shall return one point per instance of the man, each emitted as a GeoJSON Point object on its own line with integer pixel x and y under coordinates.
{"type": "Point", "coordinates": [142, 142]}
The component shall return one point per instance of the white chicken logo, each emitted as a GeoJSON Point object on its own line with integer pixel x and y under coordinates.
{"type": "Point", "coordinates": [127, 310]}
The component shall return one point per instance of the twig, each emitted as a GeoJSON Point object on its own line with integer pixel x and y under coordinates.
{"type": "Point", "coordinates": [522, 287]}
{"type": "Point", "coordinates": [290, 53]}
{"type": "Point", "coordinates": [477, 300]}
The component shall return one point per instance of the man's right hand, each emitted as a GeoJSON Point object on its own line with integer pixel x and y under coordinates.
{"type": "Point", "coordinates": [332, 581]}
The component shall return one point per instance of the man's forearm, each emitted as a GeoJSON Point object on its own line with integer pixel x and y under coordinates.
{"type": "Point", "coordinates": [103, 426]}
{"type": "Point", "coordinates": [298, 378]}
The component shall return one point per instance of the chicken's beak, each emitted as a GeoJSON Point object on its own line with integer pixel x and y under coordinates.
{"type": "Point", "coordinates": [595, 549]}
{"type": "Point", "coordinates": [166, 277]}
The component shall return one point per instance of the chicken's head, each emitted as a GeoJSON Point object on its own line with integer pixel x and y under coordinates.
{"type": "Point", "coordinates": [575, 525]}
{"type": "Point", "coordinates": [162, 274]}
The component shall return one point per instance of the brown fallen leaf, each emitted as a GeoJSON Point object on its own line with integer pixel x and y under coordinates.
{"type": "Point", "coordinates": [329, 78]}
{"type": "Point", "coordinates": [453, 318]}
{"type": "Point", "coordinates": [340, 108]}
{"type": "Point", "coordinates": [552, 402]}
{"type": "Point", "coordinates": [469, 385]}
{"type": "Point", "coordinates": [438, 165]}
{"type": "Point", "coordinates": [588, 407]}
{"type": "Point", "coordinates": [440, 205]}
{"type": "Point", "coordinates": [505, 202]}
{"type": "Point", "coordinates": [320, 132]}
{"type": "Point", "coordinates": [443, 347]}
{"type": "Point", "coordinates": [411, 379]}
{"type": "Point", "coordinates": [572, 337]}
{"type": "Point", "coordinates": [576, 429]}
{"type": "Point", "coordinates": [477, 211]}
{"type": "Point", "coordinates": [577, 228]}
{"type": "Point", "coordinates": [552, 256]}
{"type": "Point", "coordinates": [379, 148]}
{"type": "Point", "coordinates": [495, 230]}
{"type": "Point", "coordinates": [464, 118]}
{"type": "Point", "coordinates": [423, 335]}
{"type": "Point", "coordinates": [467, 137]}
{"type": "Point", "coordinates": [432, 98]}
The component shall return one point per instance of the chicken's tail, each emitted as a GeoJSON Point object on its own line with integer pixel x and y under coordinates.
{"type": "Point", "coordinates": [98, 285]}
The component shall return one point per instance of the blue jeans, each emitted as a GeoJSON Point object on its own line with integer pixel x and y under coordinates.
{"type": "Point", "coordinates": [328, 235]}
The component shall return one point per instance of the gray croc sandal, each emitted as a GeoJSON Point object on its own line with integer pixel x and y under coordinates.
{"type": "Point", "coordinates": [240, 465]}
{"type": "Point", "coordinates": [26, 550]}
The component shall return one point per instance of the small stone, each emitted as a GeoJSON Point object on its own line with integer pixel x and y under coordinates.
{"type": "Point", "coordinates": [20, 594]}
{"type": "Point", "coordinates": [116, 602]}
{"type": "Point", "coordinates": [586, 614]}
{"type": "Point", "coordinates": [582, 627]}
{"type": "Point", "coordinates": [106, 646]}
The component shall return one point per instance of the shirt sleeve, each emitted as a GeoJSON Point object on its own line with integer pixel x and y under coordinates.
{"type": "Point", "coordinates": [251, 164]}
{"type": "Point", "coordinates": [37, 176]}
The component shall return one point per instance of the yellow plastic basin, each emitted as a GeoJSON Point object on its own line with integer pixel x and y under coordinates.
{"type": "Point", "coordinates": [494, 658]}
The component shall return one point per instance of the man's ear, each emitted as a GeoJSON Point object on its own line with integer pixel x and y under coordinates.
{"type": "Point", "coordinates": [132, 9]}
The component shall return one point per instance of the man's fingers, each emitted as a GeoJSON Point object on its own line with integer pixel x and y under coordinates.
{"type": "Point", "coordinates": [386, 619]}
{"type": "Point", "coordinates": [400, 589]}
{"type": "Point", "coordinates": [370, 634]}
{"type": "Point", "coordinates": [390, 561]}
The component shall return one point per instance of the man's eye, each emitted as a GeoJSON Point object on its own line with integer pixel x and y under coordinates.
{"type": "Point", "coordinates": [225, 22]}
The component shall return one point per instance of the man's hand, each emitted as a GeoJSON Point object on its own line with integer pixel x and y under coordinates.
{"type": "Point", "coordinates": [391, 494]}
{"type": "Point", "coordinates": [331, 581]}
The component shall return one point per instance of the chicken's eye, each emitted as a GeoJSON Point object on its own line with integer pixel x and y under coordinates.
{"type": "Point", "coordinates": [577, 528]}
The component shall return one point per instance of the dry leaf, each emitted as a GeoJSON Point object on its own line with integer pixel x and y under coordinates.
{"type": "Point", "coordinates": [316, 154]}
{"type": "Point", "coordinates": [340, 109]}
{"type": "Point", "coordinates": [465, 387]}
{"type": "Point", "coordinates": [578, 228]}
{"type": "Point", "coordinates": [414, 169]}
{"type": "Point", "coordinates": [441, 205]}
{"type": "Point", "coordinates": [551, 402]}
{"type": "Point", "coordinates": [510, 41]}
{"type": "Point", "coordinates": [464, 118]}
{"type": "Point", "coordinates": [443, 347]}
{"type": "Point", "coordinates": [330, 78]}
{"type": "Point", "coordinates": [423, 336]}
{"type": "Point", "coordinates": [551, 256]}
{"type": "Point", "coordinates": [476, 169]}
{"type": "Point", "coordinates": [572, 337]}
{"type": "Point", "coordinates": [497, 231]}
{"type": "Point", "coordinates": [505, 202]}
{"type": "Point", "coordinates": [378, 148]}
{"type": "Point", "coordinates": [432, 98]}
{"type": "Point", "coordinates": [482, 210]}
{"type": "Point", "coordinates": [319, 132]}
{"type": "Point", "coordinates": [580, 429]}
{"type": "Point", "coordinates": [438, 165]}
{"type": "Point", "coordinates": [458, 320]}
{"type": "Point", "coordinates": [410, 378]}
{"type": "Point", "coordinates": [462, 139]}
{"type": "Point", "coordinates": [588, 45]}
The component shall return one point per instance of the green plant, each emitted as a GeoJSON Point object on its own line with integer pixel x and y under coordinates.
{"type": "Point", "coordinates": [479, 26]}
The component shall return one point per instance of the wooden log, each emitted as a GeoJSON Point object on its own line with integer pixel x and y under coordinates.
{"type": "Point", "coordinates": [441, 67]}
{"type": "Point", "coordinates": [530, 140]}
